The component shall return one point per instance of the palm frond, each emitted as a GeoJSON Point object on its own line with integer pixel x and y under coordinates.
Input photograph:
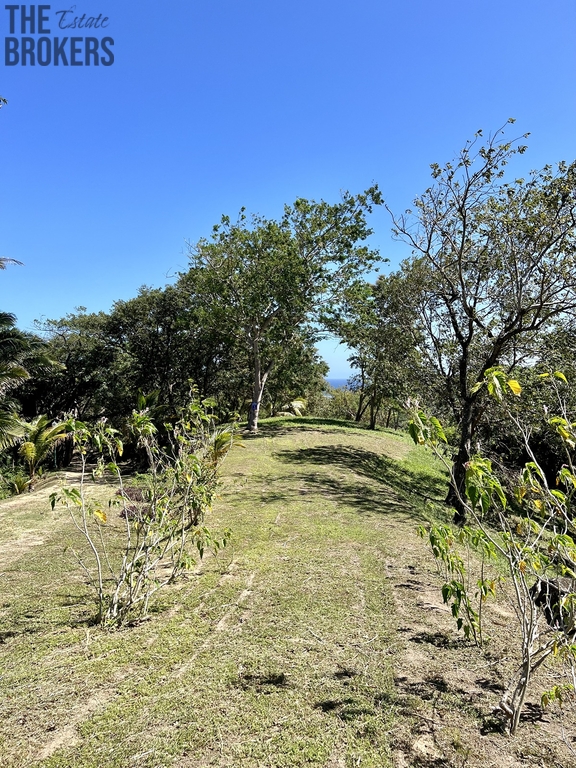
{"type": "Point", "coordinates": [5, 261]}
{"type": "Point", "coordinates": [11, 429]}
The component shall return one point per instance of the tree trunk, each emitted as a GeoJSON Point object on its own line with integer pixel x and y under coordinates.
{"type": "Point", "coordinates": [456, 491]}
{"type": "Point", "coordinates": [254, 413]}
{"type": "Point", "coordinates": [257, 390]}
{"type": "Point", "coordinates": [360, 410]}
{"type": "Point", "coordinates": [373, 415]}
{"type": "Point", "coordinates": [388, 417]}
{"type": "Point", "coordinates": [258, 384]}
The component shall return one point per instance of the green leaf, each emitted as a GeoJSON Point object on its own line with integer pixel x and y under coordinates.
{"type": "Point", "coordinates": [438, 430]}
{"type": "Point", "coordinates": [415, 433]}
{"type": "Point", "coordinates": [559, 495]}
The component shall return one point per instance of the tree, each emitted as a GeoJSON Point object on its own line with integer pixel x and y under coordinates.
{"type": "Point", "coordinates": [86, 381]}
{"type": "Point", "coordinates": [376, 323]}
{"type": "Point", "coordinates": [298, 378]}
{"type": "Point", "coordinates": [164, 343]}
{"type": "Point", "coordinates": [264, 279]}
{"type": "Point", "coordinates": [494, 263]}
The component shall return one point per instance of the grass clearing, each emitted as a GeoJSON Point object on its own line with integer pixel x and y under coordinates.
{"type": "Point", "coordinates": [318, 638]}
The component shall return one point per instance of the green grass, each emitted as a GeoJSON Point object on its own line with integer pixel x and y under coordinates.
{"type": "Point", "coordinates": [276, 654]}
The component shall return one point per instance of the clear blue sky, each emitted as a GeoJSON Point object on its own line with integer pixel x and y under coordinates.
{"type": "Point", "coordinates": [211, 105]}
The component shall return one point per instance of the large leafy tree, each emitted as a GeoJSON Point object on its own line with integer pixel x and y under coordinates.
{"type": "Point", "coordinates": [152, 343]}
{"type": "Point", "coordinates": [165, 345]}
{"type": "Point", "coordinates": [494, 263]}
{"type": "Point", "coordinates": [263, 280]}
{"type": "Point", "coordinates": [86, 381]}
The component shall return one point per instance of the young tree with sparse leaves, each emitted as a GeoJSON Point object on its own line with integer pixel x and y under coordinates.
{"type": "Point", "coordinates": [495, 265]}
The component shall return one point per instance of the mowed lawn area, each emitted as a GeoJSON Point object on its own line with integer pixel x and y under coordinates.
{"type": "Point", "coordinates": [317, 638]}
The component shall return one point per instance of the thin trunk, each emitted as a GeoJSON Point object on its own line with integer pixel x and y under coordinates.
{"type": "Point", "coordinates": [373, 414]}
{"type": "Point", "coordinates": [375, 405]}
{"type": "Point", "coordinates": [456, 491]}
{"type": "Point", "coordinates": [359, 410]}
{"type": "Point", "coordinates": [258, 384]}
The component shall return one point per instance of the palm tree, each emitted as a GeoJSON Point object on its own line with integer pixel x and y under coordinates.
{"type": "Point", "coordinates": [41, 437]}
{"type": "Point", "coordinates": [10, 428]}
{"type": "Point", "coordinates": [12, 373]}
{"type": "Point", "coordinates": [14, 345]}
{"type": "Point", "coordinates": [21, 355]}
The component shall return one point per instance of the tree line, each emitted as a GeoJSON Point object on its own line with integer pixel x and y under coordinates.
{"type": "Point", "coordinates": [490, 282]}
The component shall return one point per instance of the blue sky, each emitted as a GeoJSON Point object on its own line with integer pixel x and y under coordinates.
{"type": "Point", "coordinates": [212, 105]}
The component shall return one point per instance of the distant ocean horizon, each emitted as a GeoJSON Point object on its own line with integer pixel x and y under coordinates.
{"type": "Point", "coordinates": [337, 383]}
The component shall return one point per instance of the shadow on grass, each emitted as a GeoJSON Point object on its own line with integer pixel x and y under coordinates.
{"type": "Point", "coordinates": [366, 499]}
{"type": "Point", "coordinates": [318, 485]}
{"type": "Point", "coordinates": [263, 683]}
{"type": "Point", "coordinates": [346, 709]}
{"type": "Point", "coordinates": [406, 482]}
{"type": "Point", "coordinates": [437, 639]}
{"type": "Point", "coordinates": [282, 425]}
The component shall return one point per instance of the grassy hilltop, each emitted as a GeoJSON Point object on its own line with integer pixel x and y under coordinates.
{"type": "Point", "coordinates": [317, 638]}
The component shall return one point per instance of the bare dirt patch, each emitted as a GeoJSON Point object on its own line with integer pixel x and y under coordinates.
{"type": "Point", "coordinates": [66, 735]}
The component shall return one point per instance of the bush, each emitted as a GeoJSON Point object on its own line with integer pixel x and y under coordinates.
{"type": "Point", "coordinates": [163, 531]}
{"type": "Point", "coordinates": [334, 403]}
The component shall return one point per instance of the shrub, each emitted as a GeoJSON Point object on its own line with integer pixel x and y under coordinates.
{"type": "Point", "coordinates": [537, 544]}
{"type": "Point", "coordinates": [163, 520]}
